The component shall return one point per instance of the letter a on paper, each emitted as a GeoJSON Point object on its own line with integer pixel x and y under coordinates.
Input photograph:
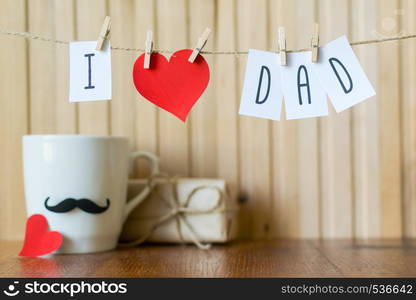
{"type": "Point", "coordinates": [304, 96]}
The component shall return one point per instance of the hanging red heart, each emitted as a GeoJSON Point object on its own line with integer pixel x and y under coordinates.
{"type": "Point", "coordinates": [38, 240]}
{"type": "Point", "coordinates": [173, 85]}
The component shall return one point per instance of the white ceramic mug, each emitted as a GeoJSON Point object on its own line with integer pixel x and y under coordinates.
{"type": "Point", "coordinates": [79, 183]}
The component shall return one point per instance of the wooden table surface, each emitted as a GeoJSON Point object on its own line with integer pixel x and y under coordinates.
{"type": "Point", "coordinates": [277, 258]}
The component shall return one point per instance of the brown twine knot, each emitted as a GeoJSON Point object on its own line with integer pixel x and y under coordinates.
{"type": "Point", "coordinates": [179, 211]}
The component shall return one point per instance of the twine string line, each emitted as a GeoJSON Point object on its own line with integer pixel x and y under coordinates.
{"type": "Point", "coordinates": [178, 211]}
{"type": "Point", "coordinates": [31, 36]}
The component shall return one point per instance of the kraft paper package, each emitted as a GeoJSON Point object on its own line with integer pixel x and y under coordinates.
{"type": "Point", "coordinates": [190, 210]}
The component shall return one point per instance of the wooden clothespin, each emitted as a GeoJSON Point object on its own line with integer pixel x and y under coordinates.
{"type": "Point", "coordinates": [282, 46]}
{"type": "Point", "coordinates": [105, 30]}
{"type": "Point", "coordinates": [149, 49]}
{"type": "Point", "coordinates": [201, 43]}
{"type": "Point", "coordinates": [315, 44]}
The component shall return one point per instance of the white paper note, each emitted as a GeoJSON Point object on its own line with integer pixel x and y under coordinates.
{"type": "Point", "coordinates": [262, 94]}
{"type": "Point", "coordinates": [341, 75]}
{"type": "Point", "coordinates": [303, 95]}
{"type": "Point", "coordinates": [90, 72]}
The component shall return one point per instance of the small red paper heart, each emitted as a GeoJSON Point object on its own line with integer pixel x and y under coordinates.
{"type": "Point", "coordinates": [38, 240]}
{"type": "Point", "coordinates": [173, 85]}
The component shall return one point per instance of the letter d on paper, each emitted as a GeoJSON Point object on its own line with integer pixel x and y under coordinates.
{"type": "Point", "coordinates": [341, 75]}
{"type": "Point", "coordinates": [262, 95]}
{"type": "Point", "coordinates": [263, 68]}
{"type": "Point", "coordinates": [334, 60]}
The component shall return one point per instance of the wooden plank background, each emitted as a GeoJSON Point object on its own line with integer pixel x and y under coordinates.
{"type": "Point", "coordinates": [351, 174]}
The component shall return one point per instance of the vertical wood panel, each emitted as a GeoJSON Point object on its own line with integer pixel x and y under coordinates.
{"type": "Point", "coordinates": [308, 140]}
{"type": "Point", "coordinates": [254, 132]}
{"type": "Point", "coordinates": [389, 104]}
{"type": "Point", "coordinates": [93, 117]}
{"type": "Point", "coordinates": [124, 99]}
{"type": "Point", "coordinates": [64, 20]}
{"type": "Point", "coordinates": [226, 96]}
{"type": "Point", "coordinates": [365, 127]}
{"type": "Point", "coordinates": [13, 118]}
{"type": "Point", "coordinates": [41, 68]}
{"type": "Point", "coordinates": [336, 143]}
{"type": "Point", "coordinates": [296, 160]}
{"type": "Point", "coordinates": [203, 129]}
{"type": "Point", "coordinates": [146, 120]}
{"type": "Point", "coordinates": [408, 64]}
{"type": "Point", "coordinates": [174, 143]}
{"type": "Point", "coordinates": [286, 214]}
{"type": "Point", "coordinates": [346, 175]}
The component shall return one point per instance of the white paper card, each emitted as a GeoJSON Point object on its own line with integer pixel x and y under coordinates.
{"type": "Point", "coordinates": [341, 75]}
{"type": "Point", "coordinates": [90, 72]}
{"type": "Point", "coordinates": [303, 95]}
{"type": "Point", "coordinates": [262, 94]}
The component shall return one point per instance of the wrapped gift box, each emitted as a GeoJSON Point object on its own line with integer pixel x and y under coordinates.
{"type": "Point", "coordinates": [182, 209]}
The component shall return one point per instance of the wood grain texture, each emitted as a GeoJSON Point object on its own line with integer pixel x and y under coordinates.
{"type": "Point", "coordinates": [408, 120]}
{"type": "Point", "coordinates": [346, 175]}
{"type": "Point", "coordinates": [335, 141]}
{"type": "Point", "coordinates": [365, 122]}
{"type": "Point", "coordinates": [146, 122]}
{"type": "Point", "coordinates": [14, 118]}
{"type": "Point", "coordinates": [255, 176]}
{"type": "Point", "coordinates": [286, 211]}
{"type": "Point", "coordinates": [42, 61]}
{"type": "Point", "coordinates": [283, 258]}
{"type": "Point", "coordinates": [124, 100]}
{"type": "Point", "coordinates": [66, 113]}
{"type": "Point", "coordinates": [93, 117]}
{"type": "Point", "coordinates": [174, 135]}
{"type": "Point", "coordinates": [389, 114]}
{"type": "Point", "coordinates": [203, 135]}
{"type": "Point", "coordinates": [307, 138]}
{"type": "Point", "coordinates": [226, 96]}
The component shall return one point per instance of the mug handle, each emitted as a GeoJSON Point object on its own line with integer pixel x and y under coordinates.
{"type": "Point", "coordinates": [154, 170]}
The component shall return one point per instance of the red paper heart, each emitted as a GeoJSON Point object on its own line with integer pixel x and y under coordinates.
{"type": "Point", "coordinates": [38, 240]}
{"type": "Point", "coordinates": [173, 85]}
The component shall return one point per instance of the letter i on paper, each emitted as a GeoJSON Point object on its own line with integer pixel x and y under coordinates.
{"type": "Point", "coordinates": [90, 72]}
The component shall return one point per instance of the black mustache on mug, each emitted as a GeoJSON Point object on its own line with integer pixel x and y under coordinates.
{"type": "Point", "coordinates": [84, 204]}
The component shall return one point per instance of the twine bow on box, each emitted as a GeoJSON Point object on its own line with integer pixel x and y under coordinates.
{"type": "Point", "coordinates": [178, 211]}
